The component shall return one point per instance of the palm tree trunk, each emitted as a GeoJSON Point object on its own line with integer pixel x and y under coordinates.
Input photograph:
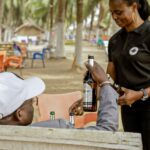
{"type": "Point", "coordinates": [101, 13]}
{"type": "Point", "coordinates": [9, 29]}
{"type": "Point", "coordinates": [77, 63]}
{"type": "Point", "coordinates": [1, 19]}
{"type": "Point", "coordinates": [91, 23]}
{"type": "Point", "coordinates": [60, 52]}
{"type": "Point", "coordinates": [51, 22]}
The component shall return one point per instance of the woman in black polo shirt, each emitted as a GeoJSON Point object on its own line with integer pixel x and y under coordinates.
{"type": "Point", "coordinates": [129, 64]}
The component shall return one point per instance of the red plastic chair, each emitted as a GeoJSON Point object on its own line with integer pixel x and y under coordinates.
{"type": "Point", "coordinates": [82, 121]}
{"type": "Point", "coordinates": [60, 103]}
{"type": "Point", "coordinates": [1, 63]}
{"type": "Point", "coordinates": [14, 62]}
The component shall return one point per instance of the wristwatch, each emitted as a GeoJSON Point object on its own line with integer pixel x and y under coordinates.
{"type": "Point", "coordinates": [145, 95]}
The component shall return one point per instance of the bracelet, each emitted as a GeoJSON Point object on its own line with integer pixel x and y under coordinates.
{"type": "Point", "coordinates": [104, 83]}
{"type": "Point", "coordinates": [145, 95]}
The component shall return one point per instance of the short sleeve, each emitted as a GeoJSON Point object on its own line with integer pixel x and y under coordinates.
{"type": "Point", "coordinates": [109, 51]}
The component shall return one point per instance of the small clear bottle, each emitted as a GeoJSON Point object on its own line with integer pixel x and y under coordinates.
{"type": "Point", "coordinates": [71, 119]}
{"type": "Point", "coordinates": [52, 115]}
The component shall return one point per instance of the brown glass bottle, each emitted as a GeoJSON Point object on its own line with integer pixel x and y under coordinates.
{"type": "Point", "coordinates": [89, 90]}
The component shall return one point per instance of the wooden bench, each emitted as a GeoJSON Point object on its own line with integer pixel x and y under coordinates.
{"type": "Point", "coordinates": [36, 138]}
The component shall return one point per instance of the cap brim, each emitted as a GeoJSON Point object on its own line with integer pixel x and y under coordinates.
{"type": "Point", "coordinates": [33, 86]}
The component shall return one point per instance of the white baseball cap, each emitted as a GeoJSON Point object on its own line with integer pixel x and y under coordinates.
{"type": "Point", "coordinates": [14, 91]}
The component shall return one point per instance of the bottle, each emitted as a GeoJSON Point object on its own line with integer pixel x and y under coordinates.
{"type": "Point", "coordinates": [52, 115]}
{"type": "Point", "coordinates": [118, 89]}
{"type": "Point", "coordinates": [71, 119]}
{"type": "Point", "coordinates": [89, 90]}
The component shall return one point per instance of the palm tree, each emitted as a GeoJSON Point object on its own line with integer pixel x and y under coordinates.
{"type": "Point", "coordinates": [51, 21]}
{"type": "Point", "coordinates": [91, 23]}
{"type": "Point", "coordinates": [78, 45]}
{"type": "Point", "coordinates": [70, 12]}
{"type": "Point", "coordinates": [60, 53]}
{"type": "Point", "coordinates": [89, 6]}
{"type": "Point", "coordinates": [9, 9]}
{"type": "Point", "coordinates": [38, 11]}
{"type": "Point", "coordinates": [12, 16]}
{"type": "Point", "coordinates": [1, 18]}
{"type": "Point", "coordinates": [101, 13]}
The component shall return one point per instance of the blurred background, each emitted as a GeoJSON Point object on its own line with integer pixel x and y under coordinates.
{"type": "Point", "coordinates": [64, 32]}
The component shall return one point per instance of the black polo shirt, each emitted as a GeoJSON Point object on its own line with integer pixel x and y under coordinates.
{"type": "Point", "coordinates": [130, 53]}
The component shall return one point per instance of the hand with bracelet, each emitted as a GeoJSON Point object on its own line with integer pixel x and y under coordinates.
{"type": "Point", "coordinates": [108, 108]}
{"type": "Point", "coordinates": [98, 74]}
{"type": "Point", "coordinates": [131, 96]}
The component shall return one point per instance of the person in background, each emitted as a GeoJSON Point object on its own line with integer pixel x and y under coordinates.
{"type": "Point", "coordinates": [129, 64]}
{"type": "Point", "coordinates": [17, 49]}
{"type": "Point", "coordinates": [100, 42]}
{"type": "Point", "coordinates": [16, 107]}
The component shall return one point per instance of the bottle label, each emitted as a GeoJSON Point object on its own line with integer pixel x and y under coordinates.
{"type": "Point", "coordinates": [72, 121]}
{"type": "Point", "coordinates": [87, 96]}
{"type": "Point", "coordinates": [52, 117]}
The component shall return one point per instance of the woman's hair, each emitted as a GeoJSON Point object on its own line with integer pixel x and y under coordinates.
{"type": "Point", "coordinates": [143, 9]}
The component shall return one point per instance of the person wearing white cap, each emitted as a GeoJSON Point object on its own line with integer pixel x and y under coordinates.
{"type": "Point", "coordinates": [16, 97]}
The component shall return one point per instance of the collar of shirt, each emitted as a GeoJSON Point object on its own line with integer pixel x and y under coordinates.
{"type": "Point", "coordinates": [140, 30]}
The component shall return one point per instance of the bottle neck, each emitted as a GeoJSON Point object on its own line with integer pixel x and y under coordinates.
{"type": "Point", "coordinates": [91, 62]}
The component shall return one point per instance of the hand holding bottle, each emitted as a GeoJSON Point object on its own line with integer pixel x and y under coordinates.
{"type": "Point", "coordinates": [129, 97]}
{"type": "Point", "coordinates": [97, 72]}
{"type": "Point", "coordinates": [77, 108]}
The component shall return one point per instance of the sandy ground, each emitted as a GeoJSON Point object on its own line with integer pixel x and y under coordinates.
{"type": "Point", "coordinates": [57, 74]}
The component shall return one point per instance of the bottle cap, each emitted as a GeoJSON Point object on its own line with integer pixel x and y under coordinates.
{"type": "Point", "coordinates": [52, 113]}
{"type": "Point", "coordinates": [90, 57]}
{"type": "Point", "coordinates": [71, 114]}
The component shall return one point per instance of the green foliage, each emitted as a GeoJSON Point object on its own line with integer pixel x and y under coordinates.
{"type": "Point", "coordinates": [89, 5]}
{"type": "Point", "coordinates": [13, 12]}
{"type": "Point", "coordinates": [39, 11]}
{"type": "Point", "coordinates": [70, 11]}
{"type": "Point", "coordinates": [107, 16]}
{"type": "Point", "coordinates": [38, 8]}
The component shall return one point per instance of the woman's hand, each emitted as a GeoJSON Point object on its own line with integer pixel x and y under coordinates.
{"type": "Point", "coordinates": [129, 97]}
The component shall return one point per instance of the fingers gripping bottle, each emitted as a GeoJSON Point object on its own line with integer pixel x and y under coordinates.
{"type": "Point", "coordinates": [89, 90]}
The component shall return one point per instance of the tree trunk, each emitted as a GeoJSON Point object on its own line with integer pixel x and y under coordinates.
{"type": "Point", "coordinates": [9, 23]}
{"type": "Point", "coordinates": [60, 53]}
{"type": "Point", "coordinates": [51, 22]}
{"type": "Point", "coordinates": [91, 23]}
{"type": "Point", "coordinates": [77, 63]}
{"type": "Point", "coordinates": [66, 8]}
{"type": "Point", "coordinates": [1, 19]}
{"type": "Point", "coordinates": [101, 13]}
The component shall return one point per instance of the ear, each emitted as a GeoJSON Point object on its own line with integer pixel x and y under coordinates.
{"type": "Point", "coordinates": [19, 115]}
{"type": "Point", "coordinates": [135, 6]}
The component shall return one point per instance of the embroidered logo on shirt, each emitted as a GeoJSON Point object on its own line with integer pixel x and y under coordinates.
{"type": "Point", "coordinates": [133, 51]}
